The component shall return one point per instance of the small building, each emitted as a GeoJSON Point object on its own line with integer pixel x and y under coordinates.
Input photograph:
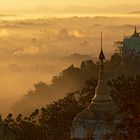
{"type": "Point", "coordinates": [132, 43]}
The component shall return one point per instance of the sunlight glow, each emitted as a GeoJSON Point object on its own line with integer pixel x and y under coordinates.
{"type": "Point", "coordinates": [33, 3]}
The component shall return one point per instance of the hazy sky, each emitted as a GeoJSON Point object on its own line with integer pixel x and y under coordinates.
{"type": "Point", "coordinates": [34, 3]}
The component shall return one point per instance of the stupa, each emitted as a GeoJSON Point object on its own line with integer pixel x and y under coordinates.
{"type": "Point", "coordinates": [91, 123]}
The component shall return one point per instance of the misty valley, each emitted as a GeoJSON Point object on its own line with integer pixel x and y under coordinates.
{"type": "Point", "coordinates": [35, 50]}
{"type": "Point", "coordinates": [49, 69]}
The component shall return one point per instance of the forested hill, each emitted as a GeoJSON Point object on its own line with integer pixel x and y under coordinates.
{"type": "Point", "coordinates": [73, 78]}
{"type": "Point", "coordinates": [54, 121]}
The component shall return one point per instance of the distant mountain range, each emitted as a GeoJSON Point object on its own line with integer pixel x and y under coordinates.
{"type": "Point", "coordinates": [124, 8]}
{"type": "Point", "coordinates": [136, 12]}
{"type": "Point", "coordinates": [44, 9]}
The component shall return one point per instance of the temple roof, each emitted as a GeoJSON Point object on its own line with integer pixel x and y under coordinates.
{"type": "Point", "coordinates": [136, 34]}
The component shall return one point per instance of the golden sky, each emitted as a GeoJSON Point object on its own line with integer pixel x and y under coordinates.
{"type": "Point", "coordinates": [34, 3]}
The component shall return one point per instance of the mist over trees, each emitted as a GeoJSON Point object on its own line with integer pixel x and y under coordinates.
{"type": "Point", "coordinates": [55, 120]}
{"type": "Point", "coordinates": [69, 80]}
{"type": "Point", "coordinates": [34, 49]}
{"type": "Point", "coordinates": [75, 87]}
{"type": "Point", "coordinates": [73, 78]}
{"type": "Point", "coordinates": [62, 43]}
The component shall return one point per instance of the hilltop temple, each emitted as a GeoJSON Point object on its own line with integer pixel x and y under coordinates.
{"type": "Point", "coordinates": [91, 123]}
{"type": "Point", "coordinates": [132, 43]}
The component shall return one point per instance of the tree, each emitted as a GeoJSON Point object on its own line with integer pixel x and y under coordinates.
{"type": "Point", "coordinates": [126, 95]}
{"type": "Point", "coordinates": [56, 118]}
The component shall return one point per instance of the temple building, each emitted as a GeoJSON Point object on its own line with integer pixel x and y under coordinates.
{"type": "Point", "coordinates": [91, 123]}
{"type": "Point", "coordinates": [132, 42]}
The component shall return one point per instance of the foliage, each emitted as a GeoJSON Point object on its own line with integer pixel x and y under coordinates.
{"type": "Point", "coordinates": [55, 120]}
{"type": "Point", "coordinates": [52, 122]}
{"type": "Point", "coordinates": [126, 95]}
{"type": "Point", "coordinates": [126, 92]}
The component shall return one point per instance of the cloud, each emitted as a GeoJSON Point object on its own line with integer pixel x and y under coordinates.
{"type": "Point", "coordinates": [32, 50]}
{"type": "Point", "coordinates": [76, 33]}
{"type": "Point", "coordinates": [4, 33]}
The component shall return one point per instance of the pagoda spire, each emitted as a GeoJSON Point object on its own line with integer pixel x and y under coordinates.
{"type": "Point", "coordinates": [101, 41]}
{"type": "Point", "coordinates": [101, 61]}
{"type": "Point", "coordinates": [101, 89]}
{"type": "Point", "coordinates": [135, 32]}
